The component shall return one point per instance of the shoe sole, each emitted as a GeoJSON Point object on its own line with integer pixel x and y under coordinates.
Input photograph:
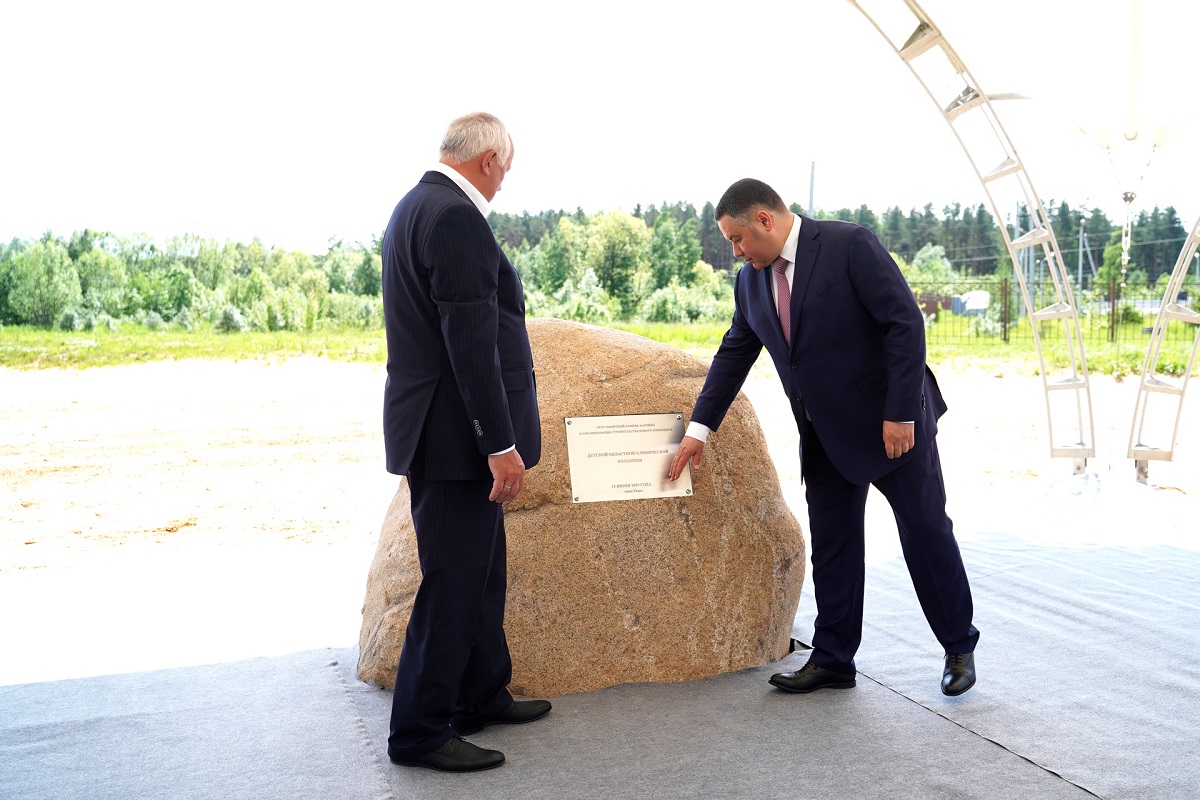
{"type": "Point", "coordinates": [837, 685]}
{"type": "Point", "coordinates": [440, 769]}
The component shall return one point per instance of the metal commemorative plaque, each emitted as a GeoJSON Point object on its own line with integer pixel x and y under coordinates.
{"type": "Point", "coordinates": [625, 457]}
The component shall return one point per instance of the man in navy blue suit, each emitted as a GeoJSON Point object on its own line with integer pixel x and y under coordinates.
{"type": "Point", "coordinates": [460, 421]}
{"type": "Point", "coordinates": [848, 342]}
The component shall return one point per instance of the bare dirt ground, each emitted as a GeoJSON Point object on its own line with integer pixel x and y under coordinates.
{"type": "Point", "coordinates": [188, 453]}
{"type": "Point", "coordinates": [183, 512]}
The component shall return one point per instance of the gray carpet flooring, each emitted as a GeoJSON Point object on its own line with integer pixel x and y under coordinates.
{"type": "Point", "coordinates": [1090, 621]}
{"type": "Point", "coordinates": [1090, 616]}
{"type": "Point", "coordinates": [261, 728]}
{"type": "Point", "coordinates": [732, 736]}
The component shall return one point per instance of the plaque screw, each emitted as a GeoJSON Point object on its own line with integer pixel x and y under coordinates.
{"type": "Point", "coordinates": [568, 422]}
{"type": "Point", "coordinates": [576, 499]}
{"type": "Point", "coordinates": [687, 491]}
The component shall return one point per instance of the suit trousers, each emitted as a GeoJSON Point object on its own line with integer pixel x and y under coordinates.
{"type": "Point", "coordinates": [836, 512]}
{"type": "Point", "coordinates": [455, 668]}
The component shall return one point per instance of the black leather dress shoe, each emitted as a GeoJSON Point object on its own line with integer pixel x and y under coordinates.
{"type": "Point", "coordinates": [456, 755]}
{"type": "Point", "coordinates": [810, 677]}
{"type": "Point", "coordinates": [520, 712]}
{"type": "Point", "coordinates": [959, 674]}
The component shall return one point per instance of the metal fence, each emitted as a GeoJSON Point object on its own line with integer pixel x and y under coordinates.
{"type": "Point", "coordinates": [990, 310]}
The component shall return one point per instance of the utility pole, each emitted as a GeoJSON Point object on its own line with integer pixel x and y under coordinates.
{"type": "Point", "coordinates": [1082, 242]}
{"type": "Point", "coordinates": [812, 179]}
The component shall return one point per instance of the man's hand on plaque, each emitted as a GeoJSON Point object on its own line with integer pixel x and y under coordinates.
{"type": "Point", "coordinates": [689, 450]}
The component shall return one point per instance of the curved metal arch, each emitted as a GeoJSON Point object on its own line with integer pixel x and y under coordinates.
{"type": "Point", "coordinates": [1152, 382]}
{"type": "Point", "coordinates": [964, 105]}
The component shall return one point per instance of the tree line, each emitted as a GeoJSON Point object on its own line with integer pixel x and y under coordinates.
{"type": "Point", "coordinates": [97, 278]}
{"type": "Point", "coordinates": [968, 235]}
{"type": "Point", "coordinates": [662, 263]}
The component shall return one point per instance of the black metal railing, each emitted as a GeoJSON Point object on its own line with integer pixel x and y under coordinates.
{"type": "Point", "coordinates": [990, 310]}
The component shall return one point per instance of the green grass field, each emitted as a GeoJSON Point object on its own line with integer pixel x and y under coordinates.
{"type": "Point", "coordinates": [24, 347]}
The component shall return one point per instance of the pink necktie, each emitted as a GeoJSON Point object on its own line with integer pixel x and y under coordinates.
{"type": "Point", "coordinates": [785, 297]}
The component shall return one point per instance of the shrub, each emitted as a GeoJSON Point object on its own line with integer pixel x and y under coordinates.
{"type": "Point", "coordinates": [165, 290]}
{"type": "Point", "coordinates": [312, 308]}
{"type": "Point", "coordinates": [276, 321]}
{"type": "Point", "coordinates": [105, 321]}
{"type": "Point", "coordinates": [256, 316]}
{"type": "Point", "coordinates": [537, 304]}
{"type": "Point", "coordinates": [367, 314]}
{"type": "Point", "coordinates": [1127, 313]}
{"type": "Point", "coordinates": [349, 309]}
{"type": "Point", "coordinates": [42, 283]}
{"type": "Point", "coordinates": [677, 303]}
{"type": "Point", "coordinates": [183, 318]}
{"type": "Point", "coordinates": [588, 303]}
{"type": "Point", "coordinates": [341, 308]}
{"type": "Point", "coordinates": [287, 310]}
{"type": "Point", "coordinates": [986, 326]}
{"type": "Point", "coordinates": [208, 304]}
{"type": "Point", "coordinates": [103, 279]}
{"type": "Point", "coordinates": [70, 320]}
{"type": "Point", "coordinates": [245, 291]}
{"type": "Point", "coordinates": [153, 321]}
{"type": "Point", "coordinates": [231, 320]}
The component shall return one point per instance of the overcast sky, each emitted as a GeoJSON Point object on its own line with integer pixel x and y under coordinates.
{"type": "Point", "coordinates": [297, 122]}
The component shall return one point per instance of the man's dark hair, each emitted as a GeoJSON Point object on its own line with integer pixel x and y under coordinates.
{"type": "Point", "coordinates": [745, 195]}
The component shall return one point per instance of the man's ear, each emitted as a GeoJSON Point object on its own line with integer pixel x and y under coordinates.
{"type": "Point", "coordinates": [487, 161]}
{"type": "Point", "coordinates": [764, 218]}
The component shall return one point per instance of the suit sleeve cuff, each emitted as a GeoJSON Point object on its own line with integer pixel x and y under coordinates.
{"type": "Point", "coordinates": [505, 450]}
{"type": "Point", "coordinates": [697, 430]}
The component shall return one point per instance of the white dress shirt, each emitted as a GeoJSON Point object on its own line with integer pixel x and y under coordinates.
{"type": "Point", "coordinates": [472, 193]}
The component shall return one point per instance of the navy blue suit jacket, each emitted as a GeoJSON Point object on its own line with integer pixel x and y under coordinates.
{"type": "Point", "coordinates": [857, 355]}
{"type": "Point", "coordinates": [460, 381]}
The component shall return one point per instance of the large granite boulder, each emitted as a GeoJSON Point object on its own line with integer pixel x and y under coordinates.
{"type": "Point", "coordinates": [664, 589]}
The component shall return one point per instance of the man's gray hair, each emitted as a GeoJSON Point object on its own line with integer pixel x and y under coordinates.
{"type": "Point", "coordinates": [475, 134]}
